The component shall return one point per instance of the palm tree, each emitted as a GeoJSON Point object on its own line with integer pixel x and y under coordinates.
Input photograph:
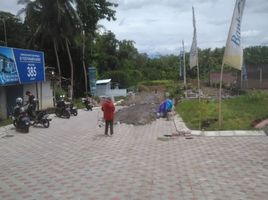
{"type": "Point", "coordinates": [37, 16]}
{"type": "Point", "coordinates": [55, 20]}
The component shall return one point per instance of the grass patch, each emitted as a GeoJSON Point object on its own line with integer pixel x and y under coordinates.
{"type": "Point", "coordinates": [157, 83]}
{"type": "Point", "coordinates": [5, 122]}
{"type": "Point", "coordinates": [238, 113]}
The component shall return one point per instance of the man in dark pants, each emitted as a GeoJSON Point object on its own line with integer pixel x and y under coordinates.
{"type": "Point", "coordinates": [31, 104]}
{"type": "Point", "coordinates": [108, 114]}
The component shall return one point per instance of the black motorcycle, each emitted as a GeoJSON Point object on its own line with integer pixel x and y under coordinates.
{"type": "Point", "coordinates": [62, 109]}
{"type": "Point", "coordinates": [73, 109]}
{"type": "Point", "coordinates": [20, 118]}
{"type": "Point", "coordinates": [87, 104]}
{"type": "Point", "coordinates": [40, 117]}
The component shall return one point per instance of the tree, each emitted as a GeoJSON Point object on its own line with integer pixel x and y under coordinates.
{"type": "Point", "coordinates": [56, 20]}
{"type": "Point", "coordinates": [13, 31]}
{"type": "Point", "coordinates": [90, 12]}
{"type": "Point", "coordinates": [105, 52]}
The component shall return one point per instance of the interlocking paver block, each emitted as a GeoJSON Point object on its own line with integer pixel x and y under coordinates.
{"type": "Point", "coordinates": [74, 160]}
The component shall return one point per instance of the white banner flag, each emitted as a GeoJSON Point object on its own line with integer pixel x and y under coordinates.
{"type": "Point", "coordinates": [233, 54]}
{"type": "Point", "coordinates": [194, 50]}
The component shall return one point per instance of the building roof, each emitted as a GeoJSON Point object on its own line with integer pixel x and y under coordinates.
{"type": "Point", "coordinates": [103, 81]}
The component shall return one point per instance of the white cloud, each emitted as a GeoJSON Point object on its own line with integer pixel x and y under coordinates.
{"type": "Point", "coordinates": [250, 33]}
{"type": "Point", "coordinates": [10, 6]}
{"type": "Point", "coordinates": [161, 25]}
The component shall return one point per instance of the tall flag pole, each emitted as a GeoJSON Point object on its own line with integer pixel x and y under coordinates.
{"type": "Point", "coordinates": [233, 53]}
{"type": "Point", "coordinates": [184, 66]}
{"type": "Point", "coordinates": [194, 54]}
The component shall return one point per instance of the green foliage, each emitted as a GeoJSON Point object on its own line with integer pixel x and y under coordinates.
{"type": "Point", "coordinates": [16, 32]}
{"type": "Point", "coordinates": [142, 88]}
{"type": "Point", "coordinates": [125, 78]}
{"type": "Point", "coordinates": [54, 26]}
{"type": "Point", "coordinates": [78, 103]}
{"type": "Point", "coordinates": [5, 122]}
{"type": "Point", "coordinates": [238, 113]}
{"type": "Point", "coordinates": [194, 112]}
{"type": "Point", "coordinates": [90, 12]}
{"type": "Point", "coordinates": [256, 96]}
{"type": "Point", "coordinates": [59, 92]}
{"type": "Point", "coordinates": [157, 82]}
{"type": "Point", "coordinates": [256, 55]}
{"type": "Point", "coordinates": [175, 90]}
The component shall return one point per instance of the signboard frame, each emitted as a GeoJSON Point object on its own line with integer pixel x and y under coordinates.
{"type": "Point", "coordinates": [21, 66]}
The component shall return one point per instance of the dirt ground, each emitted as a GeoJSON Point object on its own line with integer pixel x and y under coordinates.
{"type": "Point", "coordinates": [140, 108]}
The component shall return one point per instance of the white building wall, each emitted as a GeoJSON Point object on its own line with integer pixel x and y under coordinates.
{"type": "Point", "coordinates": [31, 88]}
{"type": "Point", "coordinates": [102, 90]}
{"type": "Point", "coordinates": [117, 93]}
{"type": "Point", "coordinates": [45, 93]}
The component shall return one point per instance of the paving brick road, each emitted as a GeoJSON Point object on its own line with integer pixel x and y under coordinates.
{"type": "Point", "coordinates": [74, 160]}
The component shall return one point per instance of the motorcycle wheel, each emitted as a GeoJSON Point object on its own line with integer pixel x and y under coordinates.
{"type": "Point", "coordinates": [26, 129]}
{"type": "Point", "coordinates": [57, 113]}
{"type": "Point", "coordinates": [66, 114]}
{"type": "Point", "coordinates": [87, 107]}
{"type": "Point", "coordinates": [15, 123]}
{"type": "Point", "coordinates": [45, 123]}
{"type": "Point", "coordinates": [75, 113]}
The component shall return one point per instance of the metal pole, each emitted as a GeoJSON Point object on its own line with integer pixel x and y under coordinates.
{"type": "Point", "coordinates": [184, 67]}
{"type": "Point", "coordinates": [220, 91]}
{"type": "Point", "coordinates": [53, 92]}
{"type": "Point", "coordinates": [53, 87]}
{"type": "Point", "coordinates": [37, 94]}
{"type": "Point", "coordinates": [198, 81]}
{"type": "Point", "coordinates": [41, 95]}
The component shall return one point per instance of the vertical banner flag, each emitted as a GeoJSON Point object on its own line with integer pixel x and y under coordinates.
{"type": "Point", "coordinates": [194, 51]}
{"type": "Point", "coordinates": [233, 54]}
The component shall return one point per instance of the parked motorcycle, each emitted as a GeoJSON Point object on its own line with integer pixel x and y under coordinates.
{"type": "Point", "coordinates": [62, 109]}
{"type": "Point", "coordinates": [38, 117]}
{"type": "Point", "coordinates": [20, 117]}
{"type": "Point", "coordinates": [41, 117]}
{"type": "Point", "coordinates": [87, 103]}
{"type": "Point", "coordinates": [73, 109]}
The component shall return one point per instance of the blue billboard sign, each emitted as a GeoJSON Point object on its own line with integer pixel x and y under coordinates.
{"type": "Point", "coordinates": [19, 66]}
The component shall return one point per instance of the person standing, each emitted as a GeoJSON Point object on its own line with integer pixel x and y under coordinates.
{"type": "Point", "coordinates": [31, 104]}
{"type": "Point", "coordinates": [108, 109]}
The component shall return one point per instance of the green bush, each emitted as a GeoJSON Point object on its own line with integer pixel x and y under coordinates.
{"type": "Point", "coordinates": [255, 96]}
{"type": "Point", "coordinates": [238, 113]}
{"type": "Point", "coordinates": [142, 88]}
{"type": "Point", "coordinates": [59, 92]}
{"type": "Point", "coordinates": [175, 90]}
{"type": "Point", "coordinates": [157, 83]}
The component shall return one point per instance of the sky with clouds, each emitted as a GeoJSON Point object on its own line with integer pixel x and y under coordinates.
{"type": "Point", "coordinates": [159, 26]}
